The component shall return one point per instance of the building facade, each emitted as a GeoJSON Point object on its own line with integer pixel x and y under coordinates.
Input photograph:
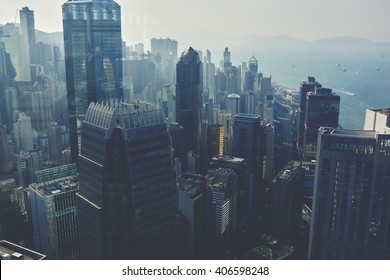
{"type": "Point", "coordinates": [54, 218]}
{"type": "Point", "coordinates": [351, 200]}
{"type": "Point", "coordinates": [189, 99]}
{"type": "Point", "coordinates": [93, 58]}
{"type": "Point", "coordinates": [127, 199]}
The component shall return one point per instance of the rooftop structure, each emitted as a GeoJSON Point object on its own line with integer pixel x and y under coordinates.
{"type": "Point", "coordinates": [11, 251]}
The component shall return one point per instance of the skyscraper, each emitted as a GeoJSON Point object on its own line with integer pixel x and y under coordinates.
{"type": "Point", "coordinates": [27, 28]}
{"type": "Point", "coordinates": [54, 218]}
{"type": "Point", "coordinates": [127, 199]}
{"type": "Point", "coordinates": [55, 143]}
{"type": "Point", "coordinates": [23, 133]}
{"type": "Point", "coordinates": [4, 152]}
{"type": "Point", "coordinates": [93, 58]}
{"type": "Point", "coordinates": [221, 217]}
{"type": "Point", "coordinates": [249, 142]}
{"type": "Point", "coordinates": [306, 86]}
{"type": "Point", "coordinates": [227, 64]}
{"type": "Point", "coordinates": [351, 200]}
{"type": "Point", "coordinates": [322, 109]}
{"type": "Point", "coordinates": [189, 99]}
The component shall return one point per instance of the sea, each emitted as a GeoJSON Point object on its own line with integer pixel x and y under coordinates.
{"type": "Point", "coordinates": [360, 75]}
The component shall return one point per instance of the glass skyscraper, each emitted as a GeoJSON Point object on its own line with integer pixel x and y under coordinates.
{"type": "Point", "coordinates": [93, 58]}
{"type": "Point", "coordinates": [127, 199]}
{"type": "Point", "coordinates": [351, 200]}
{"type": "Point", "coordinates": [189, 100]}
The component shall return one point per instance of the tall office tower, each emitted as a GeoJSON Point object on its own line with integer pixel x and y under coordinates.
{"type": "Point", "coordinates": [93, 58]}
{"type": "Point", "coordinates": [307, 86]}
{"type": "Point", "coordinates": [11, 216]}
{"type": "Point", "coordinates": [248, 103]}
{"type": "Point", "coordinates": [240, 168]}
{"type": "Point", "coordinates": [351, 200]}
{"type": "Point", "coordinates": [55, 143]}
{"type": "Point", "coordinates": [233, 104]}
{"type": "Point", "coordinates": [18, 53]}
{"type": "Point", "coordinates": [249, 142]}
{"type": "Point", "coordinates": [54, 218]}
{"type": "Point", "coordinates": [249, 81]}
{"type": "Point", "coordinates": [26, 164]}
{"type": "Point", "coordinates": [127, 200]}
{"type": "Point", "coordinates": [286, 201]}
{"type": "Point", "coordinates": [215, 143]}
{"type": "Point", "coordinates": [191, 189]}
{"type": "Point", "coordinates": [11, 107]}
{"type": "Point", "coordinates": [23, 133]}
{"type": "Point", "coordinates": [268, 159]}
{"type": "Point", "coordinates": [322, 109]}
{"type": "Point", "coordinates": [208, 72]}
{"type": "Point", "coordinates": [253, 66]}
{"type": "Point", "coordinates": [227, 64]}
{"type": "Point", "coordinates": [221, 217]}
{"type": "Point", "coordinates": [378, 120]}
{"type": "Point", "coordinates": [189, 99]}
{"type": "Point", "coordinates": [284, 136]}
{"type": "Point", "coordinates": [27, 28]}
{"type": "Point", "coordinates": [4, 151]}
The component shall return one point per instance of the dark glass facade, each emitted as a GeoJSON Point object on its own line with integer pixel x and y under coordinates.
{"type": "Point", "coordinates": [127, 200]}
{"type": "Point", "coordinates": [93, 58]}
{"type": "Point", "coordinates": [189, 99]}
{"type": "Point", "coordinates": [322, 109]}
{"type": "Point", "coordinates": [351, 217]}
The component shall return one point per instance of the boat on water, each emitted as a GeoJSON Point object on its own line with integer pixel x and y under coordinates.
{"type": "Point", "coordinates": [377, 69]}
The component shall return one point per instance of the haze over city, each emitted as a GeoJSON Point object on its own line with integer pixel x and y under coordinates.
{"type": "Point", "coordinates": [151, 130]}
{"type": "Point", "coordinates": [304, 19]}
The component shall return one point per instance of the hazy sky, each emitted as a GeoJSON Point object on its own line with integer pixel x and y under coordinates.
{"type": "Point", "coordinates": [303, 19]}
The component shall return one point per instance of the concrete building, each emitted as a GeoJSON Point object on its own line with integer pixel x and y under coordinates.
{"type": "Point", "coordinates": [351, 217]}
{"type": "Point", "coordinates": [378, 120]}
{"type": "Point", "coordinates": [54, 218]}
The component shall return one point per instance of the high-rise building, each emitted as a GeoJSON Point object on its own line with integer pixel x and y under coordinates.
{"type": "Point", "coordinates": [12, 226]}
{"type": "Point", "coordinates": [249, 142]}
{"type": "Point", "coordinates": [18, 53]}
{"type": "Point", "coordinates": [23, 133]}
{"type": "Point", "coordinates": [55, 143]}
{"type": "Point", "coordinates": [189, 99]}
{"type": "Point", "coordinates": [191, 191]}
{"type": "Point", "coordinates": [227, 64]}
{"type": "Point", "coordinates": [378, 120]}
{"type": "Point", "coordinates": [54, 218]}
{"type": "Point", "coordinates": [238, 165]}
{"type": "Point", "coordinates": [286, 201]}
{"type": "Point", "coordinates": [351, 217]}
{"type": "Point", "coordinates": [221, 217]}
{"type": "Point", "coordinates": [27, 29]}
{"type": "Point", "coordinates": [127, 197]}
{"type": "Point", "coordinates": [322, 109]}
{"type": "Point", "coordinates": [93, 58]}
{"type": "Point", "coordinates": [4, 152]}
{"type": "Point", "coordinates": [306, 86]}
{"type": "Point", "coordinates": [26, 164]}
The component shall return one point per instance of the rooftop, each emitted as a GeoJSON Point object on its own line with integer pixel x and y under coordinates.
{"type": "Point", "coordinates": [366, 134]}
{"type": "Point", "coordinates": [11, 251]}
{"type": "Point", "coordinates": [57, 186]}
{"type": "Point", "coordinates": [384, 111]}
